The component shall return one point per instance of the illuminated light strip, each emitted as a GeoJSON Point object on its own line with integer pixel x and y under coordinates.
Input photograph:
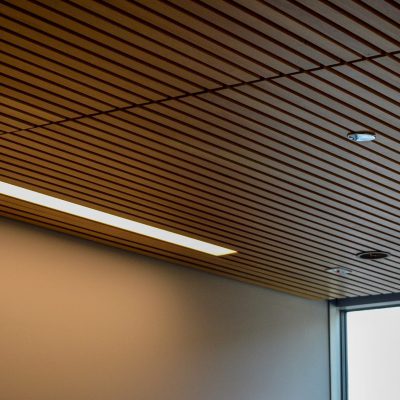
{"type": "Point", "coordinates": [112, 220]}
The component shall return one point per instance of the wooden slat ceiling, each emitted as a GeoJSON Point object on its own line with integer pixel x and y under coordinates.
{"type": "Point", "coordinates": [221, 120]}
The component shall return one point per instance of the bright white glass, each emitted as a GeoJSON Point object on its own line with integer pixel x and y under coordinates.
{"type": "Point", "coordinates": [373, 339]}
{"type": "Point", "coordinates": [112, 220]}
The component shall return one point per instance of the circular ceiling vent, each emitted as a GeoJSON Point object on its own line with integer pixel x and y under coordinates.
{"type": "Point", "coordinates": [373, 255]}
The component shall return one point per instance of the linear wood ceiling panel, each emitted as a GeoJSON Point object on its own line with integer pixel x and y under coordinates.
{"type": "Point", "coordinates": [224, 121]}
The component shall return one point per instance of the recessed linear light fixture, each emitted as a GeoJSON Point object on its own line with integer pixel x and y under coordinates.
{"type": "Point", "coordinates": [361, 136]}
{"type": "Point", "coordinates": [111, 220]}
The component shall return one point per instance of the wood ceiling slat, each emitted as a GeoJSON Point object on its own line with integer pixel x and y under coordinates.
{"type": "Point", "coordinates": [190, 29]}
{"type": "Point", "coordinates": [251, 156]}
{"type": "Point", "coordinates": [346, 101]}
{"type": "Point", "coordinates": [153, 35]}
{"type": "Point", "coordinates": [63, 76]}
{"type": "Point", "coordinates": [266, 271]}
{"type": "Point", "coordinates": [123, 37]}
{"type": "Point", "coordinates": [272, 255]}
{"type": "Point", "coordinates": [30, 107]}
{"type": "Point", "coordinates": [324, 216]}
{"type": "Point", "coordinates": [225, 181]}
{"type": "Point", "coordinates": [93, 75]}
{"type": "Point", "coordinates": [223, 121]}
{"type": "Point", "coordinates": [18, 112]}
{"type": "Point", "coordinates": [179, 107]}
{"type": "Point", "coordinates": [279, 28]}
{"type": "Point", "coordinates": [261, 112]}
{"type": "Point", "coordinates": [306, 98]}
{"type": "Point", "coordinates": [181, 203]}
{"type": "Point", "coordinates": [370, 17]}
{"type": "Point", "coordinates": [219, 264]}
{"type": "Point", "coordinates": [283, 50]}
{"type": "Point", "coordinates": [385, 8]}
{"type": "Point", "coordinates": [110, 240]}
{"type": "Point", "coordinates": [138, 214]}
{"type": "Point", "coordinates": [13, 123]}
{"type": "Point", "coordinates": [21, 116]}
{"type": "Point", "coordinates": [104, 41]}
{"type": "Point", "coordinates": [6, 128]}
{"type": "Point", "coordinates": [326, 26]}
{"type": "Point", "coordinates": [304, 32]}
{"type": "Point", "coordinates": [375, 83]}
{"type": "Point", "coordinates": [355, 26]}
{"type": "Point", "coordinates": [283, 278]}
{"type": "Point", "coordinates": [331, 147]}
{"type": "Point", "coordinates": [390, 65]}
{"type": "Point", "coordinates": [102, 54]}
{"type": "Point", "coordinates": [40, 105]}
{"type": "Point", "coordinates": [387, 69]}
{"type": "Point", "coordinates": [322, 117]}
{"type": "Point", "coordinates": [38, 87]}
{"type": "Point", "coordinates": [118, 72]}
{"type": "Point", "coordinates": [299, 150]}
{"type": "Point", "coordinates": [371, 119]}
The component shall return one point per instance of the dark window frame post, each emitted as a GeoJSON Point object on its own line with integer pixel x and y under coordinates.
{"type": "Point", "coordinates": [337, 311]}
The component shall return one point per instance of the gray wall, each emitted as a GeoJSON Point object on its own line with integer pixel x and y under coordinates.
{"type": "Point", "coordinates": [81, 321]}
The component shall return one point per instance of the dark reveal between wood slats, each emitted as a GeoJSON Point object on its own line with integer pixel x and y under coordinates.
{"type": "Point", "coordinates": [225, 121]}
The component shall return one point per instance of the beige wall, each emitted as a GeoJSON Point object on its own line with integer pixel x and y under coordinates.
{"type": "Point", "coordinates": [81, 321]}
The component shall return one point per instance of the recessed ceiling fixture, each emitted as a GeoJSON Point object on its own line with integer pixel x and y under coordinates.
{"type": "Point", "coordinates": [361, 136]}
{"type": "Point", "coordinates": [111, 220]}
{"type": "Point", "coordinates": [373, 255]}
{"type": "Point", "coordinates": [341, 271]}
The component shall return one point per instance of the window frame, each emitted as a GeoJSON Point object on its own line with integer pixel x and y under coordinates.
{"type": "Point", "coordinates": [337, 312]}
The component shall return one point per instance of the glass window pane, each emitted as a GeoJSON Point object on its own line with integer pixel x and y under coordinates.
{"type": "Point", "coordinates": [373, 345]}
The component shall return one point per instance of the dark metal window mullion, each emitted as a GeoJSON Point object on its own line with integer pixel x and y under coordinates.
{"type": "Point", "coordinates": [343, 356]}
